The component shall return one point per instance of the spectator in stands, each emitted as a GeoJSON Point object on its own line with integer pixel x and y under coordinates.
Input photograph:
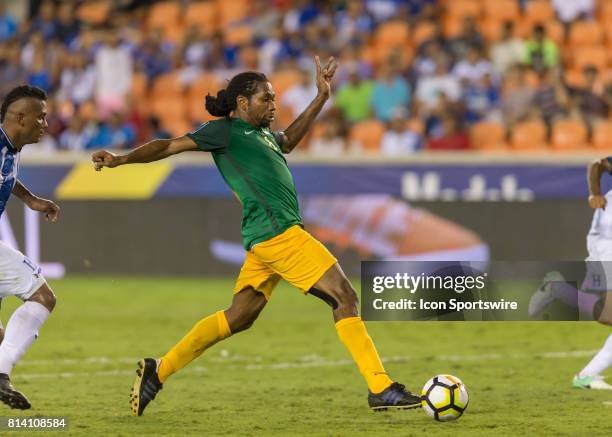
{"type": "Point", "coordinates": [541, 52]}
{"type": "Point", "coordinates": [77, 136]}
{"type": "Point", "coordinates": [219, 56]}
{"type": "Point", "coordinates": [114, 71]}
{"type": "Point", "coordinates": [38, 72]}
{"type": "Point", "coordinates": [351, 59]}
{"type": "Point", "coordinates": [391, 91]}
{"type": "Point", "coordinates": [77, 80]}
{"type": "Point", "coordinates": [154, 57]}
{"type": "Point", "coordinates": [452, 138]}
{"type": "Point", "coordinates": [299, 96]}
{"type": "Point", "coordinates": [45, 20]}
{"type": "Point", "coordinates": [263, 19]}
{"type": "Point", "coordinates": [569, 11]}
{"type": "Point", "coordinates": [473, 67]}
{"type": "Point", "coordinates": [516, 103]}
{"type": "Point", "coordinates": [12, 72]}
{"type": "Point", "coordinates": [425, 62]}
{"type": "Point", "coordinates": [353, 24]}
{"type": "Point", "coordinates": [399, 139]}
{"type": "Point", "coordinates": [481, 100]}
{"type": "Point", "coordinates": [589, 99]}
{"type": "Point", "coordinates": [353, 98]}
{"type": "Point", "coordinates": [470, 36]}
{"type": "Point", "coordinates": [116, 133]}
{"type": "Point", "coordinates": [430, 88]}
{"type": "Point", "coordinates": [508, 51]}
{"type": "Point", "coordinates": [8, 24]}
{"type": "Point", "coordinates": [330, 142]}
{"type": "Point", "coordinates": [300, 13]}
{"type": "Point", "coordinates": [270, 50]}
{"type": "Point", "coordinates": [157, 130]}
{"type": "Point", "coordinates": [68, 25]}
{"type": "Point", "coordinates": [551, 99]}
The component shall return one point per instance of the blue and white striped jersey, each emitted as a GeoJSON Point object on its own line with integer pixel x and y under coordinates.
{"type": "Point", "coordinates": [9, 165]}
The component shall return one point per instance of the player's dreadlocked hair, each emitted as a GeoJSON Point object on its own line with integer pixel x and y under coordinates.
{"type": "Point", "coordinates": [19, 93]}
{"type": "Point", "coordinates": [243, 84]}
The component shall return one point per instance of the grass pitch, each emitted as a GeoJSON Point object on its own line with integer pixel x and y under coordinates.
{"type": "Point", "coordinates": [289, 374]}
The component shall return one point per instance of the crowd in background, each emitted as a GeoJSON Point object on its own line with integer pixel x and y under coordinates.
{"type": "Point", "coordinates": [414, 74]}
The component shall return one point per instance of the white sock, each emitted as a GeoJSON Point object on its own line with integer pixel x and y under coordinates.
{"type": "Point", "coordinates": [21, 330]}
{"type": "Point", "coordinates": [600, 362]}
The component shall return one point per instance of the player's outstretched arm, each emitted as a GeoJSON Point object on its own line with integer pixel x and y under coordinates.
{"type": "Point", "coordinates": [296, 130]}
{"type": "Point", "coordinates": [35, 203]}
{"type": "Point", "coordinates": [148, 152]}
{"type": "Point", "coordinates": [594, 172]}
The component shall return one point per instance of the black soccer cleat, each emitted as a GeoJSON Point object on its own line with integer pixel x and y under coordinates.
{"type": "Point", "coordinates": [145, 387]}
{"type": "Point", "coordinates": [393, 397]}
{"type": "Point", "coordinates": [10, 396]}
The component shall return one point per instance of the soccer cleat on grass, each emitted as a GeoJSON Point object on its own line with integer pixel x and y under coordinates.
{"type": "Point", "coordinates": [543, 295]}
{"type": "Point", "coordinates": [145, 387]}
{"type": "Point", "coordinates": [10, 396]}
{"type": "Point", "coordinates": [591, 382]}
{"type": "Point", "coordinates": [395, 397]}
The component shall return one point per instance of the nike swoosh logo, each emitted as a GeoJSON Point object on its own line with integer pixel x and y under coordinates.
{"type": "Point", "coordinates": [249, 132]}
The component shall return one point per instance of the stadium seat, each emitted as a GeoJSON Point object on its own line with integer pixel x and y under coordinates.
{"type": "Point", "coordinates": [491, 29]}
{"type": "Point", "coordinates": [174, 33]}
{"type": "Point", "coordinates": [177, 127]}
{"type": "Point", "coordinates": [452, 26]}
{"type": "Point", "coordinates": [502, 10]}
{"type": "Point", "coordinates": [238, 35]}
{"type": "Point", "coordinates": [392, 33]}
{"type": "Point", "coordinates": [585, 33]}
{"type": "Point", "coordinates": [417, 125]}
{"type": "Point", "coordinates": [169, 109]}
{"type": "Point", "coordinates": [569, 134]}
{"type": "Point", "coordinates": [367, 135]}
{"type": "Point", "coordinates": [574, 77]}
{"type": "Point", "coordinates": [605, 12]}
{"type": "Point", "coordinates": [164, 14]}
{"type": "Point", "coordinates": [206, 83]}
{"type": "Point", "coordinates": [283, 80]}
{"type": "Point", "coordinates": [463, 8]}
{"type": "Point", "coordinates": [602, 136]}
{"type": "Point", "coordinates": [539, 11]}
{"type": "Point", "coordinates": [488, 135]}
{"type": "Point", "coordinates": [554, 29]}
{"type": "Point", "coordinates": [87, 111]}
{"type": "Point", "coordinates": [94, 12]}
{"type": "Point", "coordinates": [167, 85]}
{"type": "Point", "coordinates": [231, 11]}
{"type": "Point", "coordinates": [139, 85]}
{"type": "Point", "coordinates": [202, 14]}
{"type": "Point", "coordinates": [529, 135]}
{"type": "Point", "coordinates": [597, 56]}
{"type": "Point", "coordinates": [422, 32]}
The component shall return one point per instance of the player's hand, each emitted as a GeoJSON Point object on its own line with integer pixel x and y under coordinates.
{"type": "Point", "coordinates": [597, 201]}
{"type": "Point", "coordinates": [104, 158]}
{"type": "Point", "coordinates": [325, 75]}
{"type": "Point", "coordinates": [47, 207]}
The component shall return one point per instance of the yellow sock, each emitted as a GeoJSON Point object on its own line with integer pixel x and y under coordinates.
{"type": "Point", "coordinates": [353, 334]}
{"type": "Point", "coordinates": [203, 335]}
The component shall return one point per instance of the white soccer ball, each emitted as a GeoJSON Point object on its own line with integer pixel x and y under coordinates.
{"type": "Point", "coordinates": [444, 397]}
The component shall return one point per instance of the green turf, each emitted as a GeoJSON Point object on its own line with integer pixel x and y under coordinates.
{"type": "Point", "coordinates": [290, 375]}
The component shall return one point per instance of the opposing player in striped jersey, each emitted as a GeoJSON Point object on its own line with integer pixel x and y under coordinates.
{"type": "Point", "coordinates": [594, 299]}
{"type": "Point", "coordinates": [23, 116]}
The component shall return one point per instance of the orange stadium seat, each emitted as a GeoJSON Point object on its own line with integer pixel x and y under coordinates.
{"type": "Point", "coordinates": [463, 8]}
{"type": "Point", "coordinates": [539, 11]}
{"type": "Point", "coordinates": [174, 33]}
{"type": "Point", "coordinates": [231, 11]}
{"type": "Point", "coordinates": [529, 135]}
{"type": "Point", "coordinates": [585, 33]}
{"type": "Point", "coordinates": [283, 80]}
{"type": "Point", "coordinates": [602, 135]}
{"type": "Point", "coordinates": [574, 77]}
{"type": "Point", "coordinates": [367, 135]}
{"type": "Point", "coordinates": [202, 14]}
{"type": "Point", "coordinates": [392, 33]}
{"type": "Point", "coordinates": [177, 127]}
{"type": "Point", "coordinates": [139, 85]}
{"type": "Point", "coordinates": [94, 12]}
{"type": "Point", "coordinates": [167, 85]}
{"type": "Point", "coordinates": [169, 108]}
{"type": "Point", "coordinates": [422, 32]}
{"type": "Point", "coordinates": [164, 14]}
{"type": "Point", "coordinates": [87, 111]}
{"type": "Point", "coordinates": [488, 135]}
{"type": "Point", "coordinates": [491, 29]}
{"type": "Point", "coordinates": [554, 29]}
{"type": "Point", "coordinates": [605, 12]}
{"type": "Point", "coordinates": [238, 35]}
{"type": "Point", "coordinates": [596, 56]}
{"type": "Point", "coordinates": [569, 135]}
{"type": "Point", "coordinates": [207, 83]}
{"type": "Point", "coordinates": [502, 10]}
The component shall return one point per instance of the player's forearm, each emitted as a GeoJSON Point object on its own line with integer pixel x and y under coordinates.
{"type": "Point", "coordinates": [297, 130]}
{"type": "Point", "coordinates": [23, 193]}
{"type": "Point", "coordinates": [148, 152]}
{"type": "Point", "coordinates": [595, 170]}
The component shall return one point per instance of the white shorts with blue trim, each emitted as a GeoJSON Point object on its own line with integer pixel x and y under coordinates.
{"type": "Point", "coordinates": [19, 276]}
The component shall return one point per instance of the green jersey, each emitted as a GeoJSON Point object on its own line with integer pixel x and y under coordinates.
{"type": "Point", "coordinates": [252, 164]}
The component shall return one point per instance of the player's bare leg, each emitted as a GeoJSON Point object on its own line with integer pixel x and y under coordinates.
{"type": "Point", "coordinates": [151, 373]}
{"type": "Point", "coordinates": [21, 330]}
{"type": "Point", "coordinates": [336, 290]}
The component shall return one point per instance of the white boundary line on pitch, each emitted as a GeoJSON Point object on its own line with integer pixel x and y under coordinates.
{"type": "Point", "coordinates": [247, 363]}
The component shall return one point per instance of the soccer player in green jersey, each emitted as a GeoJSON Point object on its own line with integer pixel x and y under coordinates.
{"type": "Point", "coordinates": [250, 158]}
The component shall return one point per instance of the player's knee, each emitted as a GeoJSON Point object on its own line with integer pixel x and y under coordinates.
{"type": "Point", "coordinates": [241, 319]}
{"type": "Point", "coordinates": [347, 296]}
{"type": "Point", "coordinates": [45, 296]}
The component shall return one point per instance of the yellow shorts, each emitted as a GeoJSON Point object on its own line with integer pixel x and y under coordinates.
{"type": "Point", "coordinates": [295, 255]}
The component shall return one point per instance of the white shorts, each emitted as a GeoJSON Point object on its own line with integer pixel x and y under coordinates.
{"type": "Point", "coordinates": [599, 264]}
{"type": "Point", "coordinates": [19, 276]}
